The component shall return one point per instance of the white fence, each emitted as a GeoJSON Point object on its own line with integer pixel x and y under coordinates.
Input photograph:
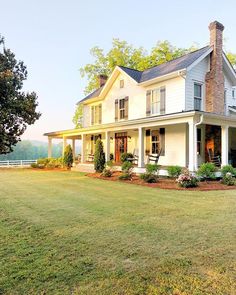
{"type": "Point", "coordinates": [17, 163]}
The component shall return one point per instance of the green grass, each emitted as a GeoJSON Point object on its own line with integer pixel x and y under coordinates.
{"type": "Point", "coordinates": [65, 233]}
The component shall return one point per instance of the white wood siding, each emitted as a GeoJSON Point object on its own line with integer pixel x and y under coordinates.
{"type": "Point", "coordinates": [196, 74]}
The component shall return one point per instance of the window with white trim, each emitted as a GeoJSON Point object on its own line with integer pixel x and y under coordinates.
{"type": "Point", "coordinates": [197, 96]}
{"type": "Point", "coordinates": [155, 101]}
{"type": "Point", "coordinates": [155, 141]}
{"type": "Point", "coordinates": [96, 114]}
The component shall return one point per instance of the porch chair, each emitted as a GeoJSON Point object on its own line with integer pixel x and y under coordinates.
{"type": "Point", "coordinates": [153, 158]}
{"type": "Point", "coordinates": [214, 159]}
{"type": "Point", "coordinates": [135, 157]}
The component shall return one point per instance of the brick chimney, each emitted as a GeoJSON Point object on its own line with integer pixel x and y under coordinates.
{"type": "Point", "coordinates": [215, 77]}
{"type": "Point", "coordinates": [102, 79]}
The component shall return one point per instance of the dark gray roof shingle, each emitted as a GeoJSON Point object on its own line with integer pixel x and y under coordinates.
{"type": "Point", "coordinates": [171, 66]}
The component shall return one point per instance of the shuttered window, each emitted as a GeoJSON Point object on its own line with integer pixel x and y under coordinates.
{"type": "Point", "coordinates": [96, 114]}
{"type": "Point", "coordinates": [158, 141]}
{"type": "Point", "coordinates": [156, 101]}
{"type": "Point", "coordinates": [121, 109]}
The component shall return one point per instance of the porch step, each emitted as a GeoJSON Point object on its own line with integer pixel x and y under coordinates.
{"type": "Point", "coordinates": [89, 168]}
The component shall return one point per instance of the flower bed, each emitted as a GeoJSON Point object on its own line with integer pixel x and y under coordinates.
{"type": "Point", "coordinates": [166, 183]}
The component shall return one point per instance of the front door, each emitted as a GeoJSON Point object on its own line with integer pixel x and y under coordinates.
{"type": "Point", "coordinates": [120, 145]}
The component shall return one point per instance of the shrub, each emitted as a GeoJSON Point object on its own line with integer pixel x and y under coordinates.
{"type": "Point", "coordinates": [127, 168]}
{"type": "Point", "coordinates": [55, 163]}
{"type": "Point", "coordinates": [152, 168]}
{"type": "Point", "coordinates": [43, 162]}
{"type": "Point", "coordinates": [149, 177]}
{"type": "Point", "coordinates": [125, 156]}
{"type": "Point", "coordinates": [151, 173]}
{"type": "Point", "coordinates": [35, 165]}
{"type": "Point", "coordinates": [125, 176]}
{"type": "Point", "coordinates": [228, 179]}
{"type": "Point", "coordinates": [174, 171]}
{"type": "Point", "coordinates": [106, 172]}
{"type": "Point", "coordinates": [228, 169]}
{"type": "Point", "coordinates": [187, 180]}
{"type": "Point", "coordinates": [68, 156]}
{"type": "Point", "coordinates": [109, 164]}
{"type": "Point", "coordinates": [207, 171]}
{"type": "Point", "coordinates": [99, 156]}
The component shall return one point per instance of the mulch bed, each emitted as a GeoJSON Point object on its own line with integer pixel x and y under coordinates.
{"type": "Point", "coordinates": [166, 183]}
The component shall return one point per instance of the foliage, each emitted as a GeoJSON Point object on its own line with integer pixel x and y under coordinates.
{"type": "Point", "coordinates": [17, 108]}
{"type": "Point", "coordinates": [43, 162]}
{"type": "Point", "coordinates": [99, 156]}
{"type": "Point", "coordinates": [107, 172]}
{"type": "Point", "coordinates": [125, 156]}
{"type": "Point", "coordinates": [48, 163]}
{"type": "Point", "coordinates": [149, 177]}
{"type": "Point", "coordinates": [229, 179]}
{"type": "Point", "coordinates": [151, 173]}
{"type": "Point", "coordinates": [127, 169]}
{"type": "Point", "coordinates": [174, 171]}
{"type": "Point", "coordinates": [207, 171]}
{"type": "Point", "coordinates": [68, 156]}
{"type": "Point", "coordinates": [152, 168]}
{"type": "Point", "coordinates": [187, 180]}
{"type": "Point", "coordinates": [232, 58]}
{"type": "Point", "coordinates": [126, 166]}
{"type": "Point", "coordinates": [228, 168]}
{"type": "Point", "coordinates": [31, 150]}
{"type": "Point", "coordinates": [78, 116]}
{"type": "Point", "coordinates": [109, 163]}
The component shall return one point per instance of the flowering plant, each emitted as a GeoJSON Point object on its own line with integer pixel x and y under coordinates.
{"type": "Point", "coordinates": [187, 180]}
{"type": "Point", "coordinates": [228, 179]}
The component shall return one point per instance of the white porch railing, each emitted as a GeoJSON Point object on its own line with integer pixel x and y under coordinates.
{"type": "Point", "coordinates": [17, 163]}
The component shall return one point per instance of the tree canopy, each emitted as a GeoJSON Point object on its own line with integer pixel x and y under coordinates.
{"type": "Point", "coordinates": [17, 108]}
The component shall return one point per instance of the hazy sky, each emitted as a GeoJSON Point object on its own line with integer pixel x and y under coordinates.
{"type": "Point", "coordinates": [54, 37]}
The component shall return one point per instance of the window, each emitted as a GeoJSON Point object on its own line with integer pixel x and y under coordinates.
{"type": "Point", "coordinates": [155, 101]}
{"type": "Point", "coordinates": [155, 142]}
{"type": "Point", "coordinates": [96, 114]}
{"type": "Point", "coordinates": [225, 100]}
{"type": "Point", "coordinates": [233, 93]}
{"type": "Point", "coordinates": [197, 97]}
{"type": "Point", "coordinates": [122, 108]}
{"type": "Point", "coordinates": [122, 83]}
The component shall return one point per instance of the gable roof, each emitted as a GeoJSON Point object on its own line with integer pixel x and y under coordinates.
{"type": "Point", "coordinates": [174, 65]}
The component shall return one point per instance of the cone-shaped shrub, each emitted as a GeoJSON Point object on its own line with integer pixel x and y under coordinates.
{"type": "Point", "coordinates": [68, 157]}
{"type": "Point", "coordinates": [99, 156]}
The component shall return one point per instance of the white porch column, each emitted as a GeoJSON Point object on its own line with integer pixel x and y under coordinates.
{"type": "Point", "coordinates": [107, 147]}
{"type": "Point", "coordinates": [49, 147]}
{"type": "Point", "coordinates": [140, 147]}
{"type": "Point", "coordinates": [192, 137]}
{"type": "Point", "coordinates": [224, 145]}
{"type": "Point", "coordinates": [73, 149]}
{"type": "Point", "coordinates": [83, 148]}
{"type": "Point", "coordinates": [64, 145]}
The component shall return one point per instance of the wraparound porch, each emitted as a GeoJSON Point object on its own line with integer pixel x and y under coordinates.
{"type": "Point", "coordinates": [185, 139]}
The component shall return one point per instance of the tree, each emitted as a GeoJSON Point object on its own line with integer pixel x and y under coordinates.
{"type": "Point", "coordinates": [17, 108]}
{"type": "Point", "coordinates": [99, 156]}
{"type": "Point", "coordinates": [68, 156]}
{"type": "Point", "coordinates": [78, 116]}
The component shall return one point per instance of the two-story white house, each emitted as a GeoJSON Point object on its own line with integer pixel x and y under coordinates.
{"type": "Point", "coordinates": [184, 109]}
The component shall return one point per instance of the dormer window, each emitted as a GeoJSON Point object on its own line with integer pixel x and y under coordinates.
{"type": "Point", "coordinates": [122, 83]}
{"type": "Point", "coordinates": [197, 97]}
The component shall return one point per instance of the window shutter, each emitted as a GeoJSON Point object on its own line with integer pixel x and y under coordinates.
{"type": "Point", "coordinates": [116, 109]}
{"type": "Point", "coordinates": [148, 103]}
{"type": "Point", "coordinates": [126, 107]}
{"type": "Point", "coordinates": [162, 140]}
{"type": "Point", "coordinates": [92, 115]}
{"type": "Point", "coordinates": [100, 114]}
{"type": "Point", "coordinates": [163, 101]}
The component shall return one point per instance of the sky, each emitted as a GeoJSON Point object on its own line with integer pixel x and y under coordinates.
{"type": "Point", "coordinates": [54, 38]}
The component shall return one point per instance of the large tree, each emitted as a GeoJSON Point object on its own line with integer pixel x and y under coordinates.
{"type": "Point", "coordinates": [17, 108]}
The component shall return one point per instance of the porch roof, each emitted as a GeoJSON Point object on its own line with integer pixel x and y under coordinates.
{"type": "Point", "coordinates": [168, 119]}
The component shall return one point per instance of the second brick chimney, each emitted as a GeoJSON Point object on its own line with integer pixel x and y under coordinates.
{"type": "Point", "coordinates": [215, 77]}
{"type": "Point", "coordinates": [102, 79]}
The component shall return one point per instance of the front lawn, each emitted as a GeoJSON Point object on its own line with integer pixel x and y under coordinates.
{"type": "Point", "coordinates": [65, 233]}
